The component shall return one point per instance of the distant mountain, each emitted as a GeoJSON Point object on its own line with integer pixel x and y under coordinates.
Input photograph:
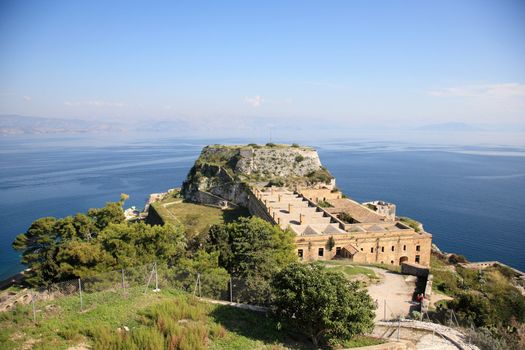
{"type": "Point", "coordinates": [452, 126]}
{"type": "Point", "coordinates": [17, 124]}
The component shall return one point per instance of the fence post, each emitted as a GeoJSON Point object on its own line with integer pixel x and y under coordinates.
{"type": "Point", "coordinates": [149, 280]}
{"type": "Point", "coordinates": [384, 311]}
{"type": "Point", "coordinates": [80, 293]}
{"type": "Point", "coordinates": [398, 327]}
{"type": "Point", "coordinates": [200, 294]}
{"type": "Point", "coordinates": [156, 279]}
{"type": "Point", "coordinates": [231, 290]}
{"type": "Point", "coordinates": [123, 285]}
{"type": "Point", "coordinates": [33, 306]}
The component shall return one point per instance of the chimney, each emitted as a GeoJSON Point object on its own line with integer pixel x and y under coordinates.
{"type": "Point", "coordinates": [279, 198]}
{"type": "Point", "coordinates": [278, 221]}
{"type": "Point", "coordinates": [289, 208]}
{"type": "Point", "coordinates": [300, 218]}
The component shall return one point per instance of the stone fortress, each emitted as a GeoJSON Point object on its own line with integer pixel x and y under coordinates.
{"type": "Point", "coordinates": [287, 186]}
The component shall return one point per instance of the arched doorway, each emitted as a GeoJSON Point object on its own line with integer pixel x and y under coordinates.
{"type": "Point", "coordinates": [403, 259]}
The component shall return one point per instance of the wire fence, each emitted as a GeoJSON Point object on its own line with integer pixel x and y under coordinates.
{"type": "Point", "coordinates": [84, 294]}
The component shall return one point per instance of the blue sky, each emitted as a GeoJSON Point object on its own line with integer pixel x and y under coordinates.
{"type": "Point", "coordinates": [353, 62]}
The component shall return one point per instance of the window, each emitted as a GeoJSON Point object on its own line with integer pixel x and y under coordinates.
{"type": "Point", "coordinates": [404, 247]}
{"type": "Point", "coordinates": [382, 249]}
{"type": "Point", "coordinates": [392, 262]}
{"type": "Point", "coordinates": [417, 259]}
{"type": "Point", "coordinates": [321, 252]}
{"type": "Point", "coordinates": [300, 253]}
{"type": "Point", "coordinates": [417, 248]}
{"type": "Point", "coordinates": [361, 249]}
{"type": "Point", "coordinates": [392, 248]}
{"type": "Point", "coordinates": [337, 250]}
{"type": "Point", "coordinates": [372, 250]}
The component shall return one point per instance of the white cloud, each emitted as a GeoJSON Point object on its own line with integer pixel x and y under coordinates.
{"type": "Point", "coordinates": [95, 103]}
{"type": "Point", "coordinates": [27, 98]}
{"type": "Point", "coordinates": [255, 101]}
{"type": "Point", "coordinates": [482, 90]}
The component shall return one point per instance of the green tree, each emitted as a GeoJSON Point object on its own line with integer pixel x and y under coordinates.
{"type": "Point", "coordinates": [112, 213]}
{"type": "Point", "coordinates": [252, 250]}
{"type": "Point", "coordinates": [330, 243]}
{"type": "Point", "coordinates": [39, 245]}
{"type": "Point", "coordinates": [252, 246]}
{"type": "Point", "coordinates": [321, 303]}
{"type": "Point", "coordinates": [81, 245]}
{"type": "Point", "coordinates": [140, 243]}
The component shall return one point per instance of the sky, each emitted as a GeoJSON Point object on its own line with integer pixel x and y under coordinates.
{"type": "Point", "coordinates": [359, 63]}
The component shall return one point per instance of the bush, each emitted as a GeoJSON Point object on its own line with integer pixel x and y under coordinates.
{"type": "Point", "coordinates": [320, 303]}
{"type": "Point", "coordinates": [270, 144]}
{"type": "Point", "coordinates": [275, 183]}
{"type": "Point", "coordinates": [456, 259]}
{"type": "Point", "coordinates": [347, 218]}
{"type": "Point", "coordinates": [299, 158]}
{"type": "Point", "coordinates": [321, 175]}
{"type": "Point", "coordinates": [411, 222]}
{"type": "Point", "coordinates": [295, 145]}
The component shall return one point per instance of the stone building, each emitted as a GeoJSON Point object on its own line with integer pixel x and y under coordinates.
{"type": "Point", "coordinates": [341, 227]}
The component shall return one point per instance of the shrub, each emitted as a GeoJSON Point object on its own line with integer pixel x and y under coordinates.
{"type": "Point", "coordinates": [411, 222]}
{"type": "Point", "coordinates": [320, 303]}
{"type": "Point", "coordinates": [295, 145]}
{"type": "Point", "coordinates": [347, 218]}
{"type": "Point", "coordinates": [270, 144]}
{"type": "Point", "coordinates": [299, 158]}
{"type": "Point", "coordinates": [456, 259]}
{"type": "Point", "coordinates": [275, 183]}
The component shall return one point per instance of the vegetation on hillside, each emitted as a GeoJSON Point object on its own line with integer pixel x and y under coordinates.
{"type": "Point", "coordinates": [320, 175]}
{"type": "Point", "coordinates": [250, 249]}
{"type": "Point", "coordinates": [485, 298]}
{"type": "Point", "coordinates": [99, 240]}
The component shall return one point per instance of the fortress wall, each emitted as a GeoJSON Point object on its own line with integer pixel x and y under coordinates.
{"type": "Point", "coordinates": [154, 217]}
{"type": "Point", "coordinates": [257, 208]}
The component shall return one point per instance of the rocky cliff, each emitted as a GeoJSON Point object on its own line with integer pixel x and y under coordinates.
{"type": "Point", "coordinates": [225, 172]}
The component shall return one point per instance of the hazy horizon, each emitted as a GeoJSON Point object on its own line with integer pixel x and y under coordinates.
{"type": "Point", "coordinates": [224, 67]}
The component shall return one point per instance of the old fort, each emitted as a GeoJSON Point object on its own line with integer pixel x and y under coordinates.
{"type": "Point", "coordinates": [288, 186]}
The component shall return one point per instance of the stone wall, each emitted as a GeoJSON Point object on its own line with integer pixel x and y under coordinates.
{"type": "Point", "coordinates": [257, 208]}
{"type": "Point", "coordinates": [409, 268]}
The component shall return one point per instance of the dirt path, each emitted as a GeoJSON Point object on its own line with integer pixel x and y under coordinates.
{"type": "Point", "coordinates": [396, 290]}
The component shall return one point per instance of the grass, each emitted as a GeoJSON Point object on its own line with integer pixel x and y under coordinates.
{"type": "Point", "coordinates": [166, 320]}
{"type": "Point", "coordinates": [349, 270]}
{"type": "Point", "coordinates": [411, 222]}
{"type": "Point", "coordinates": [197, 218]}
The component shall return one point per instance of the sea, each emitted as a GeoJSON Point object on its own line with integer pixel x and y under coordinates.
{"type": "Point", "coordinates": [471, 198]}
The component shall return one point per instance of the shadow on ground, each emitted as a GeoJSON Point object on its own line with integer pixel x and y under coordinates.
{"type": "Point", "coordinates": [258, 326]}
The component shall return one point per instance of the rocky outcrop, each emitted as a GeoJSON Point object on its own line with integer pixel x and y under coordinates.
{"type": "Point", "coordinates": [223, 174]}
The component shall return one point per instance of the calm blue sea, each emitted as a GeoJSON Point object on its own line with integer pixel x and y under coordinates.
{"type": "Point", "coordinates": [469, 198]}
